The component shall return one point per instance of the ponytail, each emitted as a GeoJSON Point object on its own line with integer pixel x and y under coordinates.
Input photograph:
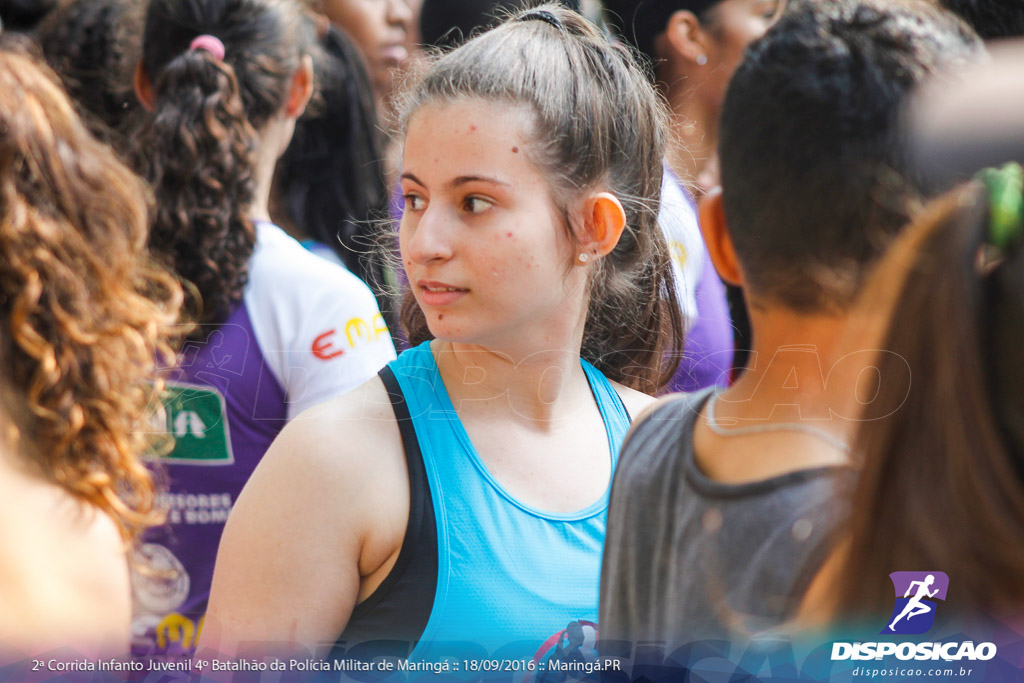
{"type": "Point", "coordinates": [199, 149]}
{"type": "Point", "coordinates": [941, 485]}
{"type": "Point", "coordinates": [221, 69]}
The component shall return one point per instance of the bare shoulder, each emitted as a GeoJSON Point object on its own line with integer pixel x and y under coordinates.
{"type": "Point", "coordinates": [639, 404]}
{"type": "Point", "coordinates": [69, 563]}
{"type": "Point", "coordinates": [340, 431]}
{"type": "Point", "coordinates": [636, 402]}
{"type": "Point", "coordinates": [335, 454]}
{"type": "Point", "coordinates": [97, 569]}
{"type": "Point", "coordinates": [324, 511]}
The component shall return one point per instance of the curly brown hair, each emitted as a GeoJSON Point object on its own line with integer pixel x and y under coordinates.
{"type": "Point", "coordinates": [86, 316]}
{"type": "Point", "coordinates": [93, 46]}
{"type": "Point", "coordinates": [198, 146]}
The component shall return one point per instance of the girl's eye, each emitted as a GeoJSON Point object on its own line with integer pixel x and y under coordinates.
{"type": "Point", "coordinates": [771, 10]}
{"type": "Point", "coordinates": [414, 202]}
{"type": "Point", "coordinates": [476, 204]}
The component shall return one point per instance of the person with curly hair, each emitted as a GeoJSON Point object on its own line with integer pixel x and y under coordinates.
{"type": "Point", "coordinates": [280, 329]}
{"type": "Point", "coordinates": [85, 317]}
{"type": "Point", "coordinates": [728, 501]}
{"type": "Point", "coordinates": [93, 45]}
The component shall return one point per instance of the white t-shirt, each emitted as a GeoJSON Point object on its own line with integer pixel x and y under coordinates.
{"type": "Point", "coordinates": [678, 222]}
{"type": "Point", "coordinates": [317, 324]}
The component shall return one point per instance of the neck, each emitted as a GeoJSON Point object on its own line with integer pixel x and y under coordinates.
{"type": "Point", "coordinates": [273, 141]}
{"type": "Point", "coordinates": [801, 368]}
{"type": "Point", "coordinates": [533, 387]}
{"type": "Point", "coordinates": [263, 176]}
{"type": "Point", "coordinates": [694, 132]}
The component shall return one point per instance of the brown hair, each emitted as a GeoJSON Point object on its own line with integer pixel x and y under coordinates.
{"type": "Point", "coordinates": [197, 148]}
{"type": "Point", "coordinates": [93, 45]}
{"type": "Point", "coordinates": [86, 316]}
{"type": "Point", "coordinates": [942, 483]}
{"type": "Point", "coordinates": [598, 123]}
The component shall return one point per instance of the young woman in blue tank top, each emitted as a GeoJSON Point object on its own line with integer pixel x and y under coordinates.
{"type": "Point", "coordinates": [456, 504]}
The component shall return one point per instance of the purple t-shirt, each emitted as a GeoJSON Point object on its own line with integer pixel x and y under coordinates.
{"type": "Point", "coordinates": [708, 351]}
{"type": "Point", "coordinates": [306, 330]}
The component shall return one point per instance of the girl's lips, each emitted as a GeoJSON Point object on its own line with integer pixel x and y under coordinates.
{"type": "Point", "coordinates": [439, 294]}
{"type": "Point", "coordinates": [394, 54]}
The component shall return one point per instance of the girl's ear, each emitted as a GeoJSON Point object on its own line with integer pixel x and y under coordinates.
{"type": "Point", "coordinates": [686, 36]}
{"type": "Point", "coordinates": [301, 90]}
{"type": "Point", "coordinates": [603, 222]}
{"type": "Point", "coordinates": [143, 87]}
{"type": "Point", "coordinates": [717, 239]}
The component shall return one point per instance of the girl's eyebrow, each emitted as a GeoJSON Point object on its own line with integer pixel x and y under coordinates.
{"type": "Point", "coordinates": [461, 180]}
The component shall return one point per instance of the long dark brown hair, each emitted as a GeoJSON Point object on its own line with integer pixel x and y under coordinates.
{"type": "Point", "coordinates": [598, 124]}
{"type": "Point", "coordinates": [942, 484]}
{"type": "Point", "coordinates": [86, 317]}
{"type": "Point", "coordinates": [329, 184]}
{"type": "Point", "coordinates": [197, 148]}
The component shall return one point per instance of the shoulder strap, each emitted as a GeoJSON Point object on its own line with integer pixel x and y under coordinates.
{"type": "Point", "coordinates": [410, 442]}
{"type": "Point", "coordinates": [401, 605]}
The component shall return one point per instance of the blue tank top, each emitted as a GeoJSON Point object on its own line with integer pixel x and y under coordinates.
{"type": "Point", "coordinates": [511, 579]}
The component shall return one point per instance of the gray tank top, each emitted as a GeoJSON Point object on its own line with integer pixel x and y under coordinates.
{"type": "Point", "coordinates": [688, 558]}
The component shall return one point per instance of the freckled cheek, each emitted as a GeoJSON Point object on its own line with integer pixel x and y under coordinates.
{"type": "Point", "coordinates": [505, 243]}
{"type": "Point", "coordinates": [496, 267]}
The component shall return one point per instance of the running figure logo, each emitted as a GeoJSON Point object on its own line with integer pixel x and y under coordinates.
{"type": "Point", "coordinates": [914, 612]}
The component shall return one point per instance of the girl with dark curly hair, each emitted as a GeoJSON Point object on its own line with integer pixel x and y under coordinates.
{"type": "Point", "coordinates": [280, 329]}
{"type": "Point", "coordinates": [84, 317]}
{"type": "Point", "coordinates": [93, 45]}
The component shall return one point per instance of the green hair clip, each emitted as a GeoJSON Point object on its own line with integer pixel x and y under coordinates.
{"type": "Point", "coordinates": [1006, 204]}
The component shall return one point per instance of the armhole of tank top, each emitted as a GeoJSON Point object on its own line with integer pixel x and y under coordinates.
{"type": "Point", "coordinates": [420, 539]}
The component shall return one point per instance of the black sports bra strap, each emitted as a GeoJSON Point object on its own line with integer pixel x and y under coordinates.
{"type": "Point", "coordinates": [410, 442]}
{"type": "Point", "coordinates": [400, 607]}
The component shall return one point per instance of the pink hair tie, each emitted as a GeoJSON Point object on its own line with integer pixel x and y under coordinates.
{"type": "Point", "coordinates": [209, 43]}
